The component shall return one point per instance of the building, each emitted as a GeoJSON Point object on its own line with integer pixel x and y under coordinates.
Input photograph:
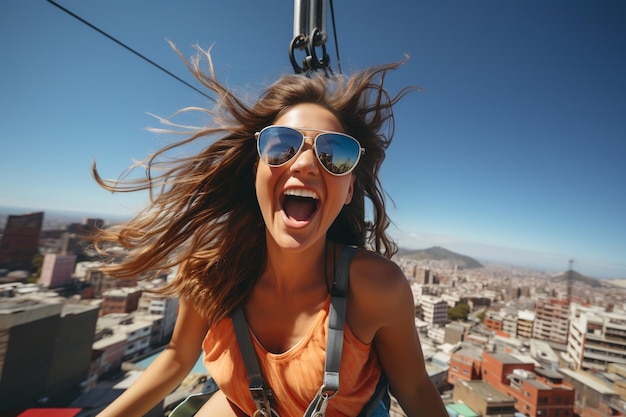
{"type": "Point", "coordinates": [455, 333]}
{"type": "Point", "coordinates": [57, 270]}
{"type": "Point", "coordinates": [525, 320]}
{"type": "Point", "coordinates": [509, 322]}
{"type": "Point", "coordinates": [159, 305]}
{"type": "Point", "coordinates": [45, 350]}
{"type": "Point", "coordinates": [493, 320]}
{"type": "Point", "coordinates": [109, 348]}
{"type": "Point", "coordinates": [536, 393]}
{"type": "Point", "coordinates": [101, 283]}
{"type": "Point", "coordinates": [434, 310]}
{"type": "Point", "coordinates": [591, 393]}
{"type": "Point", "coordinates": [597, 338]}
{"type": "Point", "coordinates": [551, 320]}
{"type": "Point", "coordinates": [20, 241]}
{"type": "Point", "coordinates": [483, 399]}
{"type": "Point", "coordinates": [120, 300]}
{"type": "Point", "coordinates": [75, 240]}
{"type": "Point", "coordinates": [465, 365]}
{"type": "Point", "coordinates": [121, 337]}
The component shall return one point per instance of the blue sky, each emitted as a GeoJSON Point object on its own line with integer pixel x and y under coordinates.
{"type": "Point", "coordinates": [514, 152]}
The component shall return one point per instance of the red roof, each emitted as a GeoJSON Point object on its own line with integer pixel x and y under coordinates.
{"type": "Point", "coordinates": [50, 412]}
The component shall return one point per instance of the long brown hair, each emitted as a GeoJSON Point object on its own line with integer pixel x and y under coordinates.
{"type": "Point", "coordinates": [203, 217]}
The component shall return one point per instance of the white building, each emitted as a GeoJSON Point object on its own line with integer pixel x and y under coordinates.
{"type": "Point", "coordinates": [597, 338]}
{"type": "Point", "coordinates": [434, 310]}
{"type": "Point", "coordinates": [551, 320]}
{"type": "Point", "coordinates": [159, 305]}
{"type": "Point", "coordinates": [525, 320]}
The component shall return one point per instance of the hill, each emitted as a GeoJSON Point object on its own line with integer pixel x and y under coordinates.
{"type": "Point", "coordinates": [592, 282]}
{"type": "Point", "coordinates": [437, 253]}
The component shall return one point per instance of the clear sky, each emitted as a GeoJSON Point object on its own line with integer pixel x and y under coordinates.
{"type": "Point", "coordinates": [514, 152]}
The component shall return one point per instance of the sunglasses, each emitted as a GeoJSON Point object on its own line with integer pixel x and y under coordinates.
{"type": "Point", "coordinates": [337, 152]}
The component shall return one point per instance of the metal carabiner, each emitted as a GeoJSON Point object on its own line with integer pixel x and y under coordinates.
{"type": "Point", "coordinates": [265, 412]}
{"type": "Point", "coordinates": [319, 410]}
{"type": "Point", "coordinates": [317, 39]}
{"type": "Point", "coordinates": [299, 42]}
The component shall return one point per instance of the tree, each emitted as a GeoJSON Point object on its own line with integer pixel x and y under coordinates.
{"type": "Point", "coordinates": [459, 312]}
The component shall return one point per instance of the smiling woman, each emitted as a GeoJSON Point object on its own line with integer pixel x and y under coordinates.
{"type": "Point", "coordinates": [258, 224]}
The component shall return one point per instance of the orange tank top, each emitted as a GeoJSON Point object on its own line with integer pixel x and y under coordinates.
{"type": "Point", "coordinates": [296, 375]}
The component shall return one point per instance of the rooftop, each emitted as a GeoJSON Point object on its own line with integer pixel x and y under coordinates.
{"type": "Point", "coordinates": [591, 382]}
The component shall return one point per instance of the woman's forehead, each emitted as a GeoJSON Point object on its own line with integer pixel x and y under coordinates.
{"type": "Point", "coordinates": [309, 115]}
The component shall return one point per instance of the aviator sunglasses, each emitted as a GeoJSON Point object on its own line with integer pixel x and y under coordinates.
{"type": "Point", "coordinates": [337, 152]}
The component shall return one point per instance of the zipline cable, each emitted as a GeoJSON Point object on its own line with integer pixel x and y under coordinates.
{"type": "Point", "coordinates": [129, 49]}
{"type": "Point", "coordinates": [332, 17]}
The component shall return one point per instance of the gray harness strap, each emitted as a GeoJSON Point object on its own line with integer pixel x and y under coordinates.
{"type": "Point", "coordinates": [260, 393]}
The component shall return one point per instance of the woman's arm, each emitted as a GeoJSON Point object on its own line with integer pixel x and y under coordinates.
{"type": "Point", "coordinates": [384, 299]}
{"type": "Point", "coordinates": [168, 369]}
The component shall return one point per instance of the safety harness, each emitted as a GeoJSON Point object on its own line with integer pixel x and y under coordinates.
{"type": "Point", "coordinates": [262, 394]}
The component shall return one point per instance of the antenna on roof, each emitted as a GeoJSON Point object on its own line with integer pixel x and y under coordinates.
{"type": "Point", "coordinates": [570, 278]}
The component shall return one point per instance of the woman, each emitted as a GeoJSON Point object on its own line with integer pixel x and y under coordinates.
{"type": "Point", "coordinates": [258, 219]}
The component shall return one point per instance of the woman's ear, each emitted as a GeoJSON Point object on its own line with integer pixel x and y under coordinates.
{"type": "Point", "coordinates": [350, 190]}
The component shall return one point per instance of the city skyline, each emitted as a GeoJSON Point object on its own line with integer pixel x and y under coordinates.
{"type": "Point", "coordinates": [513, 151]}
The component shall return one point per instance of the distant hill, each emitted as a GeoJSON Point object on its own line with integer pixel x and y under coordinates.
{"type": "Point", "coordinates": [437, 253]}
{"type": "Point", "coordinates": [592, 282]}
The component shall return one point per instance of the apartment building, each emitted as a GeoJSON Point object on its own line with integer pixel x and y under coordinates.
{"type": "Point", "coordinates": [537, 392]}
{"type": "Point", "coordinates": [159, 305]}
{"type": "Point", "coordinates": [120, 300]}
{"type": "Point", "coordinates": [594, 397]}
{"type": "Point", "coordinates": [45, 350]}
{"type": "Point", "coordinates": [19, 243]}
{"type": "Point", "coordinates": [123, 336]}
{"type": "Point", "coordinates": [434, 310]}
{"type": "Point", "coordinates": [525, 321]}
{"type": "Point", "coordinates": [101, 283]}
{"type": "Point", "coordinates": [56, 270]}
{"type": "Point", "coordinates": [509, 322]}
{"type": "Point", "coordinates": [551, 320]}
{"type": "Point", "coordinates": [597, 338]}
{"type": "Point", "coordinates": [493, 320]}
{"type": "Point", "coordinates": [483, 399]}
{"type": "Point", "coordinates": [502, 320]}
{"type": "Point", "coordinates": [465, 365]}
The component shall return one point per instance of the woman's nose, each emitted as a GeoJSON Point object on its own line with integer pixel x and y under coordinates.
{"type": "Point", "coordinates": [305, 162]}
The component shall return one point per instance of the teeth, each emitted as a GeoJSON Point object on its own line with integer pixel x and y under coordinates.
{"type": "Point", "coordinates": [300, 192]}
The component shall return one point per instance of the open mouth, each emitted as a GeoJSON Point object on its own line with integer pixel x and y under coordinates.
{"type": "Point", "coordinates": [299, 204]}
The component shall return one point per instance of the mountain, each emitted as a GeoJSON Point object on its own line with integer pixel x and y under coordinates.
{"type": "Point", "coordinates": [592, 282]}
{"type": "Point", "coordinates": [437, 253]}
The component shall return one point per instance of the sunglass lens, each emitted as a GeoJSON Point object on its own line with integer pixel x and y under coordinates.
{"type": "Point", "coordinates": [338, 153]}
{"type": "Point", "coordinates": [277, 145]}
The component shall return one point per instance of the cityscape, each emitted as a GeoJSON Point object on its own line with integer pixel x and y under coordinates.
{"type": "Point", "coordinates": [498, 340]}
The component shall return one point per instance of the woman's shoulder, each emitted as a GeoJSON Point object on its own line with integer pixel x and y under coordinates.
{"type": "Point", "coordinates": [371, 271]}
{"type": "Point", "coordinates": [378, 290]}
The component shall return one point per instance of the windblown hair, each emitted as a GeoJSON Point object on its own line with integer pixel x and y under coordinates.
{"type": "Point", "coordinates": [204, 218]}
